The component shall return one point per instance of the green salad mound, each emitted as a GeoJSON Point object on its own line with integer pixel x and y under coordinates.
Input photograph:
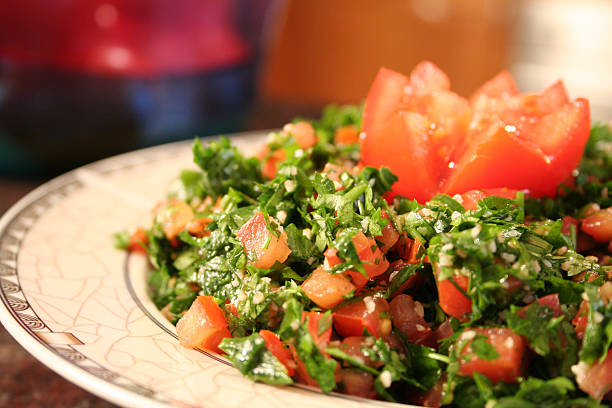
{"type": "Point", "coordinates": [537, 324]}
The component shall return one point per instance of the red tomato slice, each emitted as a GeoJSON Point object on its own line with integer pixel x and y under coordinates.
{"type": "Point", "coordinates": [352, 319]}
{"type": "Point", "coordinates": [260, 244]}
{"type": "Point", "coordinates": [471, 198]}
{"type": "Point", "coordinates": [327, 289]}
{"type": "Point", "coordinates": [276, 347]}
{"type": "Point", "coordinates": [510, 347]}
{"type": "Point", "coordinates": [596, 380]}
{"type": "Point", "coordinates": [203, 325]}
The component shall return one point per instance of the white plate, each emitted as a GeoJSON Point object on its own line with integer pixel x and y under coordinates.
{"type": "Point", "coordinates": [80, 306]}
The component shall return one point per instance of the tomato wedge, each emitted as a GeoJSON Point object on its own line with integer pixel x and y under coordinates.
{"type": "Point", "coordinates": [500, 138]}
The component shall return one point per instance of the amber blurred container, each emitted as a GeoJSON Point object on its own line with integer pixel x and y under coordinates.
{"type": "Point", "coordinates": [331, 51]}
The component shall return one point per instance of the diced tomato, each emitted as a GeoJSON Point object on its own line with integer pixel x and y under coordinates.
{"type": "Point", "coordinates": [270, 160]}
{"type": "Point", "coordinates": [374, 262]}
{"type": "Point", "coordinates": [346, 135]}
{"type": "Point", "coordinates": [358, 383]}
{"type": "Point", "coordinates": [301, 372]}
{"type": "Point", "coordinates": [138, 241]}
{"type": "Point", "coordinates": [320, 335]}
{"type": "Point", "coordinates": [327, 289]}
{"type": "Point", "coordinates": [173, 215]}
{"type": "Point", "coordinates": [509, 345]}
{"type": "Point", "coordinates": [389, 235]}
{"type": "Point", "coordinates": [333, 172]}
{"type": "Point", "coordinates": [599, 225]}
{"type": "Point", "coordinates": [303, 133]}
{"type": "Point", "coordinates": [409, 283]}
{"type": "Point", "coordinates": [500, 86]}
{"type": "Point", "coordinates": [550, 301]}
{"type": "Point", "coordinates": [260, 244]}
{"type": "Point", "coordinates": [567, 225]}
{"type": "Point", "coordinates": [352, 319]}
{"type": "Point", "coordinates": [408, 317]}
{"type": "Point", "coordinates": [471, 198]}
{"type": "Point", "coordinates": [596, 380]}
{"type": "Point", "coordinates": [581, 319]}
{"type": "Point", "coordinates": [502, 139]}
{"type": "Point", "coordinates": [433, 397]}
{"type": "Point", "coordinates": [197, 227]}
{"type": "Point", "coordinates": [452, 300]}
{"type": "Point", "coordinates": [276, 347]}
{"type": "Point", "coordinates": [353, 346]}
{"type": "Point", "coordinates": [203, 325]}
{"type": "Point", "coordinates": [444, 330]}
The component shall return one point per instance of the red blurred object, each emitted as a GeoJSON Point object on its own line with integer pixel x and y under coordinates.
{"type": "Point", "coordinates": [113, 37]}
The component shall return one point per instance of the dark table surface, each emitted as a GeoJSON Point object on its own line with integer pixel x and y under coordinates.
{"type": "Point", "coordinates": [24, 381]}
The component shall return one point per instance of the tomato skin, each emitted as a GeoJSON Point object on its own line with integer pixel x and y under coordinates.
{"type": "Point", "coordinates": [254, 235]}
{"type": "Point", "coordinates": [596, 380]}
{"type": "Point", "coordinates": [203, 325]}
{"type": "Point", "coordinates": [352, 319]}
{"type": "Point", "coordinates": [426, 77]}
{"type": "Point", "coordinates": [276, 347]}
{"type": "Point", "coordinates": [599, 225]}
{"type": "Point", "coordinates": [510, 347]}
{"type": "Point", "coordinates": [408, 317]}
{"type": "Point", "coordinates": [471, 198]}
{"type": "Point", "coordinates": [327, 289]}
{"type": "Point", "coordinates": [500, 86]}
{"type": "Point", "coordinates": [138, 241]}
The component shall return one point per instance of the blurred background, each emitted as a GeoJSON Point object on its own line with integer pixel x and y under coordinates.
{"type": "Point", "coordinates": [85, 79]}
{"type": "Point", "coordinates": [82, 80]}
